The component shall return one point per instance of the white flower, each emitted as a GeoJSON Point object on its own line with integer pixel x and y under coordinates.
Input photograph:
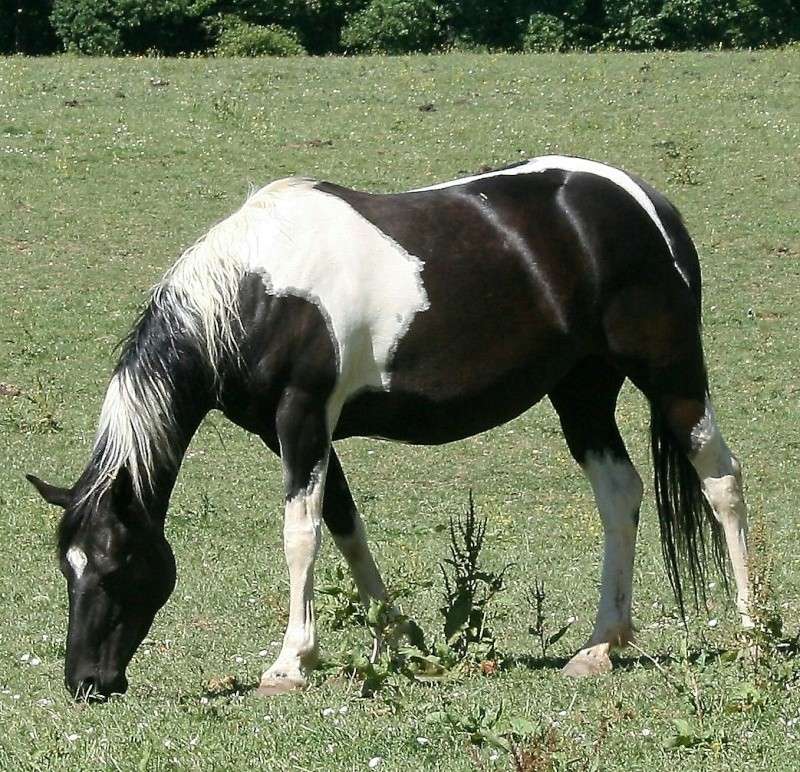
{"type": "Point", "coordinates": [327, 712]}
{"type": "Point", "coordinates": [72, 737]}
{"type": "Point", "coordinates": [375, 762]}
{"type": "Point", "coordinates": [646, 732]}
{"type": "Point", "coordinates": [34, 661]}
{"type": "Point", "coordinates": [712, 622]}
{"type": "Point", "coordinates": [343, 709]}
{"type": "Point", "coordinates": [422, 741]}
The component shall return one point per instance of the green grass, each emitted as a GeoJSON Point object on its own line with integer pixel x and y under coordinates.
{"type": "Point", "coordinates": [110, 168]}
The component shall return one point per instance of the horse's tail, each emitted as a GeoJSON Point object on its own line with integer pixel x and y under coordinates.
{"type": "Point", "coordinates": [689, 529]}
{"type": "Point", "coordinates": [683, 514]}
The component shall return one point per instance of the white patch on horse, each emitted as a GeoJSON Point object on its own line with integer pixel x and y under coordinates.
{"type": "Point", "coordinates": [618, 493]}
{"type": "Point", "coordinates": [301, 541]}
{"type": "Point", "coordinates": [721, 477]}
{"type": "Point", "coordinates": [76, 557]}
{"type": "Point", "coordinates": [571, 164]}
{"type": "Point", "coordinates": [316, 246]}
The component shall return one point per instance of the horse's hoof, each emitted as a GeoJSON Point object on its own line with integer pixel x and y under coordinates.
{"type": "Point", "coordinates": [588, 662]}
{"type": "Point", "coordinates": [272, 687]}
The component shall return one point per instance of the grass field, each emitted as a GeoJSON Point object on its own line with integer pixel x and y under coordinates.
{"type": "Point", "coordinates": [110, 168]}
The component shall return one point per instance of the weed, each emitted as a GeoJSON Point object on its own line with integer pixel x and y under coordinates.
{"type": "Point", "coordinates": [33, 411]}
{"type": "Point", "coordinates": [536, 597]}
{"type": "Point", "coordinates": [678, 160]}
{"type": "Point", "coordinates": [339, 602]}
{"type": "Point", "coordinates": [486, 725]}
{"type": "Point", "coordinates": [469, 589]}
{"type": "Point", "coordinates": [772, 654]}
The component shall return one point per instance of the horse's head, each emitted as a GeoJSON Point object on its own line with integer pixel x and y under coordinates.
{"type": "Point", "coordinates": [120, 571]}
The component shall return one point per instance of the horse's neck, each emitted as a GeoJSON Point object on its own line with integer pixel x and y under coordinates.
{"type": "Point", "coordinates": [155, 401]}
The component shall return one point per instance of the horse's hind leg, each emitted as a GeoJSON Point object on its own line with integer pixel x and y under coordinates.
{"type": "Point", "coordinates": [305, 445]}
{"type": "Point", "coordinates": [343, 521]}
{"type": "Point", "coordinates": [585, 402]}
{"type": "Point", "coordinates": [695, 426]}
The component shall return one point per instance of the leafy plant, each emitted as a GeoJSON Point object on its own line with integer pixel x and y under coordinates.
{"type": "Point", "coordinates": [339, 601]}
{"type": "Point", "coordinates": [395, 27]}
{"type": "Point", "coordinates": [236, 37]}
{"type": "Point", "coordinates": [486, 725]}
{"type": "Point", "coordinates": [469, 589]}
{"type": "Point", "coordinates": [544, 32]}
{"type": "Point", "coordinates": [536, 597]}
{"type": "Point", "coordinates": [774, 656]}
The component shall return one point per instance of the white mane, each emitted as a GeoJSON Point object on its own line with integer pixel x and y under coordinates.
{"type": "Point", "coordinates": [198, 298]}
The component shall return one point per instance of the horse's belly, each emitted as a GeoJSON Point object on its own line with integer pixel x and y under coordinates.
{"type": "Point", "coordinates": [423, 417]}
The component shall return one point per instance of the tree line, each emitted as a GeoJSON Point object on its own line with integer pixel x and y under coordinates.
{"type": "Point", "coordinates": [294, 27]}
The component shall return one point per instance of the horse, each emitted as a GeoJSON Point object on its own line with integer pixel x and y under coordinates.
{"type": "Point", "coordinates": [316, 312]}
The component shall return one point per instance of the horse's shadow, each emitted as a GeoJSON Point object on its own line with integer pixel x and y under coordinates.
{"type": "Point", "coordinates": [620, 662]}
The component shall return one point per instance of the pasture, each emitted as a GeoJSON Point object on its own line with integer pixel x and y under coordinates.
{"type": "Point", "coordinates": [110, 168]}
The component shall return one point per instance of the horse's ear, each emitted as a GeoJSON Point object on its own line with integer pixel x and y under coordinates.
{"type": "Point", "coordinates": [52, 494]}
{"type": "Point", "coordinates": [122, 489]}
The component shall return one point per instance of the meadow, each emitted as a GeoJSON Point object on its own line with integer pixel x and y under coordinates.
{"type": "Point", "coordinates": [110, 168]}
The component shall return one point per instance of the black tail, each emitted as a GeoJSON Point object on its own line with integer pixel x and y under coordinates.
{"type": "Point", "coordinates": [688, 526]}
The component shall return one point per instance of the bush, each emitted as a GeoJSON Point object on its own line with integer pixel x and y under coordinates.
{"type": "Point", "coordinates": [318, 22]}
{"type": "Point", "coordinates": [730, 23]}
{"type": "Point", "coordinates": [240, 38]}
{"type": "Point", "coordinates": [545, 32]}
{"type": "Point", "coordinates": [493, 24]}
{"type": "Point", "coordinates": [395, 27]}
{"type": "Point", "coordinates": [632, 25]}
{"type": "Point", "coordinates": [112, 27]}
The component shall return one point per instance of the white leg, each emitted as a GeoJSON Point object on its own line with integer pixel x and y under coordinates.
{"type": "Point", "coordinates": [301, 541]}
{"type": "Point", "coordinates": [362, 565]}
{"type": "Point", "coordinates": [721, 476]}
{"type": "Point", "coordinates": [618, 492]}
{"type": "Point", "coordinates": [365, 572]}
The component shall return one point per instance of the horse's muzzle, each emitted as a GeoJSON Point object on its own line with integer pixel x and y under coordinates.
{"type": "Point", "coordinates": [94, 689]}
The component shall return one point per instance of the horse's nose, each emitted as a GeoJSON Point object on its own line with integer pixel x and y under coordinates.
{"type": "Point", "coordinates": [93, 689]}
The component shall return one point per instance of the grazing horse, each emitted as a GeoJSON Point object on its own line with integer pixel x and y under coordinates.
{"type": "Point", "coordinates": [316, 312]}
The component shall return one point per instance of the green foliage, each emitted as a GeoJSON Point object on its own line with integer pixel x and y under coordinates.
{"type": "Point", "coordinates": [632, 25]}
{"type": "Point", "coordinates": [469, 588]}
{"type": "Point", "coordinates": [395, 27]}
{"type": "Point", "coordinates": [240, 38]}
{"type": "Point", "coordinates": [112, 27]}
{"type": "Point", "coordinates": [539, 628]}
{"type": "Point", "coordinates": [729, 23]}
{"type": "Point", "coordinates": [492, 24]}
{"type": "Point", "coordinates": [544, 32]}
{"type": "Point", "coordinates": [290, 27]}
{"type": "Point", "coordinates": [486, 726]}
{"type": "Point", "coordinates": [338, 601]}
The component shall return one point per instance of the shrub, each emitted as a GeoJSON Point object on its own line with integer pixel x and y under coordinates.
{"type": "Point", "coordinates": [632, 25]}
{"type": "Point", "coordinates": [395, 27]}
{"type": "Point", "coordinates": [545, 32]}
{"type": "Point", "coordinates": [492, 24]}
{"type": "Point", "coordinates": [110, 27]}
{"type": "Point", "coordinates": [241, 38]}
{"type": "Point", "coordinates": [730, 23]}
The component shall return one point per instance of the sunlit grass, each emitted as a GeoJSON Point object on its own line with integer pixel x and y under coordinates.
{"type": "Point", "coordinates": [110, 168]}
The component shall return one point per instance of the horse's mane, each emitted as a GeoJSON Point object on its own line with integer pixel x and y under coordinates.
{"type": "Point", "coordinates": [194, 310]}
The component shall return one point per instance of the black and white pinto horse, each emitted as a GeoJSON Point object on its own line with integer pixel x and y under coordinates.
{"type": "Point", "coordinates": [316, 312]}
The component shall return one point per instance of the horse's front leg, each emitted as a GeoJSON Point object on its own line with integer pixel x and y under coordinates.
{"type": "Point", "coordinates": [344, 522]}
{"type": "Point", "coordinates": [305, 447]}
